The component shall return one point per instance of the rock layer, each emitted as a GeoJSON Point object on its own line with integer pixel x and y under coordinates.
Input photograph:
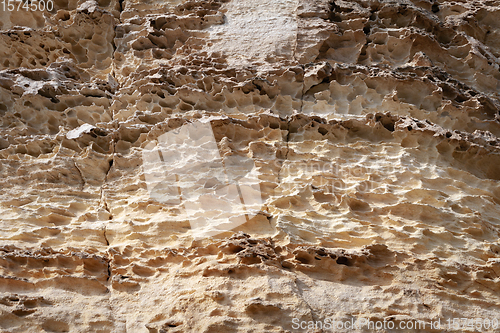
{"type": "Point", "coordinates": [374, 125]}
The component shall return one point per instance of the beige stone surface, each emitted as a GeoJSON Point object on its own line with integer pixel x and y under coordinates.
{"type": "Point", "coordinates": [373, 127]}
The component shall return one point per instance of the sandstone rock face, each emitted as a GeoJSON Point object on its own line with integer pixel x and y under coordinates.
{"type": "Point", "coordinates": [373, 128]}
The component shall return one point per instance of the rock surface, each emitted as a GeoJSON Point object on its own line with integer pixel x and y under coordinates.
{"type": "Point", "coordinates": [374, 125]}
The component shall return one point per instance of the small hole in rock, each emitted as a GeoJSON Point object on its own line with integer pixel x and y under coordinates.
{"type": "Point", "coordinates": [323, 131]}
{"type": "Point", "coordinates": [343, 261]}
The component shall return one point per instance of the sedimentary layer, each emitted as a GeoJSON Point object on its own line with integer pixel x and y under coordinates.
{"type": "Point", "coordinates": [373, 127]}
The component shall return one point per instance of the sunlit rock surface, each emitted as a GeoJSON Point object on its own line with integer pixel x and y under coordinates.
{"type": "Point", "coordinates": [373, 127]}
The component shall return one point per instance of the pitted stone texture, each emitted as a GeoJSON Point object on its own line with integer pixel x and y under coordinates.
{"type": "Point", "coordinates": [374, 128]}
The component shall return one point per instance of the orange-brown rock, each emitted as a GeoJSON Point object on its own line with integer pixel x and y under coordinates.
{"type": "Point", "coordinates": [373, 127]}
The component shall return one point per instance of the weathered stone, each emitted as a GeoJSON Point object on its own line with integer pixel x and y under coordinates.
{"type": "Point", "coordinates": [374, 127]}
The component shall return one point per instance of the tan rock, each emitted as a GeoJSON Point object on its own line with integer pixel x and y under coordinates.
{"type": "Point", "coordinates": [368, 132]}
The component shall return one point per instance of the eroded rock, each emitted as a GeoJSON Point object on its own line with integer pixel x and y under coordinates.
{"type": "Point", "coordinates": [373, 128]}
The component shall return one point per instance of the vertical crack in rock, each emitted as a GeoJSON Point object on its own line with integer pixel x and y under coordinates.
{"type": "Point", "coordinates": [303, 88]}
{"type": "Point", "coordinates": [103, 201]}
{"type": "Point", "coordinates": [80, 175]}
{"type": "Point", "coordinates": [105, 236]}
{"type": "Point", "coordinates": [108, 263]}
